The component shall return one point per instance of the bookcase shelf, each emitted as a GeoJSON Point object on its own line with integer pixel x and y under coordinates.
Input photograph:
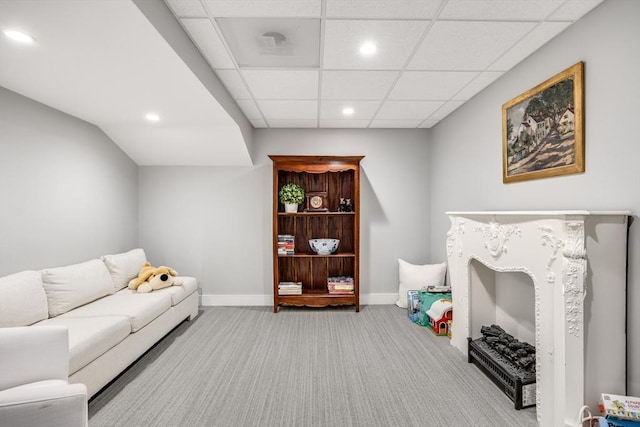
{"type": "Point", "coordinates": [317, 256]}
{"type": "Point", "coordinates": [315, 213]}
{"type": "Point", "coordinates": [337, 177]}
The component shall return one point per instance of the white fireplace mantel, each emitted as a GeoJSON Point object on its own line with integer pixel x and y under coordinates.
{"type": "Point", "coordinates": [577, 262]}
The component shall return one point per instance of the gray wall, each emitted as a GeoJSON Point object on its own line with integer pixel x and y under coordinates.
{"type": "Point", "coordinates": [67, 192]}
{"type": "Point", "coordinates": [215, 223]}
{"type": "Point", "coordinates": [466, 151]}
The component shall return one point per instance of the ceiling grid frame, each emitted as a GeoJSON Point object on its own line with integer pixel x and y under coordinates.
{"type": "Point", "coordinates": [491, 13]}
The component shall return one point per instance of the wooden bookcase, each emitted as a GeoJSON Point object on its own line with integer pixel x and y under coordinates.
{"type": "Point", "coordinates": [337, 177]}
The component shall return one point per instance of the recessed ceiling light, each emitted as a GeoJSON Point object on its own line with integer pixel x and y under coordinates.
{"type": "Point", "coordinates": [348, 111]}
{"type": "Point", "coordinates": [19, 36]}
{"type": "Point", "coordinates": [152, 117]}
{"type": "Point", "coordinates": [368, 48]}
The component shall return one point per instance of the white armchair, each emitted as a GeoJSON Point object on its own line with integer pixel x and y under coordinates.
{"type": "Point", "coordinates": [34, 372]}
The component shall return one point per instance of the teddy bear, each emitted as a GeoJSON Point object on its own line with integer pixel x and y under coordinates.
{"type": "Point", "coordinates": [153, 278]}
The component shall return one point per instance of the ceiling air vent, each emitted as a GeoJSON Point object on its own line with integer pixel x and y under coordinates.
{"type": "Point", "coordinates": [273, 42]}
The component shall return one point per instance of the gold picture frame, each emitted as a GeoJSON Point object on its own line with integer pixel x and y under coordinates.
{"type": "Point", "coordinates": [543, 129]}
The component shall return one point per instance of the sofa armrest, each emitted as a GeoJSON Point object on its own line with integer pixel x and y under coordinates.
{"type": "Point", "coordinates": [34, 372]}
{"type": "Point", "coordinates": [33, 353]}
{"type": "Point", "coordinates": [44, 404]}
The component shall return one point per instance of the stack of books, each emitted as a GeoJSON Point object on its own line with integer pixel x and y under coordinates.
{"type": "Point", "coordinates": [619, 411]}
{"type": "Point", "coordinates": [290, 288]}
{"type": "Point", "coordinates": [340, 285]}
{"type": "Point", "coordinates": [286, 244]}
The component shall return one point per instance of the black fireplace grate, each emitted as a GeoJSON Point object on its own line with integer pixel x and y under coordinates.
{"type": "Point", "coordinates": [517, 384]}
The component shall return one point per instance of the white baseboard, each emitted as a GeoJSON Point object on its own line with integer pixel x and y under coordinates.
{"type": "Point", "coordinates": [378, 299]}
{"type": "Point", "coordinates": [267, 300]}
{"type": "Point", "coordinates": [235, 300]}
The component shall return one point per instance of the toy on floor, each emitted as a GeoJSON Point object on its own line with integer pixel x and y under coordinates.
{"type": "Point", "coordinates": [153, 278]}
{"type": "Point", "coordinates": [440, 313]}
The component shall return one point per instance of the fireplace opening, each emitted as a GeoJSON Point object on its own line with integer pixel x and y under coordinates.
{"type": "Point", "coordinates": [502, 328]}
{"type": "Point", "coordinates": [505, 298]}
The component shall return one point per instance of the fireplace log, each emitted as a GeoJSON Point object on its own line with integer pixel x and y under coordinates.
{"type": "Point", "coordinates": [492, 331]}
{"type": "Point", "coordinates": [521, 354]}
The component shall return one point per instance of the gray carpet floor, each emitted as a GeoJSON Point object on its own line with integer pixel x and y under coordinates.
{"type": "Point", "coordinates": [246, 366]}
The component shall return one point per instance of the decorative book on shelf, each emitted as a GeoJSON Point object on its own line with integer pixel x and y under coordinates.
{"type": "Point", "coordinates": [290, 288]}
{"type": "Point", "coordinates": [340, 285]}
{"type": "Point", "coordinates": [286, 244]}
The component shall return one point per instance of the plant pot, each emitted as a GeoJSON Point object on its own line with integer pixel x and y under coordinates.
{"type": "Point", "coordinates": [291, 207]}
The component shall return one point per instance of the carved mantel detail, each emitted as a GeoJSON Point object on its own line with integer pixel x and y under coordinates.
{"type": "Point", "coordinates": [496, 236]}
{"type": "Point", "coordinates": [454, 241]}
{"type": "Point", "coordinates": [550, 239]}
{"type": "Point", "coordinates": [573, 275]}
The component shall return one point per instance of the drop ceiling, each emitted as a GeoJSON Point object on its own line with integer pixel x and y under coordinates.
{"type": "Point", "coordinates": [432, 55]}
{"type": "Point", "coordinates": [107, 63]}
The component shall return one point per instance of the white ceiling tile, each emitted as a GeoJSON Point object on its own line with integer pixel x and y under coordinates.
{"type": "Point", "coordinates": [516, 10]}
{"type": "Point", "coordinates": [395, 123]}
{"type": "Point", "coordinates": [529, 44]}
{"type": "Point", "coordinates": [357, 84]}
{"type": "Point", "coordinates": [407, 110]}
{"type": "Point", "coordinates": [207, 40]}
{"type": "Point", "coordinates": [258, 123]}
{"type": "Point", "coordinates": [385, 9]}
{"type": "Point", "coordinates": [344, 123]}
{"type": "Point", "coordinates": [282, 84]}
{"type": "Point", "coordinates": [234, 83]}
{"type": "Point", "coordinates": [264, 8]}
{"type": "Point", "coordinates": [430, 85]}
{"type": "Point", "coordinates": [187, 8]}
{"type": "Point", "coordinates": [395, 41]}
{"type": "Point", "coordinates": [332, 110]}
{"type": "Point", "coordinates": [250, 109]}
{"type": "Point", "coordinates": [573, 10]}
{"type": "Point", "coordinates": [293, 123]}
{"type": "Point", "coordinates": [285, 110]}
{"type": "Point", "coordinates": [428, 124]}
{"type": "Point", "coordinates": [445, 110]}
{"type": "Point", "coordinates": [479, 83]}
{"type": "Point", "coordinates": [467, 45]}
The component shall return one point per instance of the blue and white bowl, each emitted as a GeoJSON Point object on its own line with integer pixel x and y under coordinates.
{"type": "Point", "coordinates": [324, 246]}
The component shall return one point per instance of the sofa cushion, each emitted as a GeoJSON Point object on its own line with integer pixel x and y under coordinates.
{"type": "Point", "coordinates": [124, 267]}
{"type": "Point", "coordinates": [23, 299]}
{"type": "Point", "coordinates": [139, 308]}
{"type": "Point", "coordinates": [178, 293]}
{"type": "Point", "coordinates": [90, 337]}
{"type": "Point", "coordinates": [74, 285]}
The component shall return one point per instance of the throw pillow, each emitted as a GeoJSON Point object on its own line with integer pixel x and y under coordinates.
{"type": "Point", "coordinates": [74, 285]}
{"type": "Point", "coordinates": [415, 277]}
{"type": "Point", "coordinates": [124, 267]}
{"type": "Point", "coordinates": [23, 300]}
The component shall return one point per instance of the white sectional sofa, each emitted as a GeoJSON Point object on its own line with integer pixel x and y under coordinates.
{"type": "Point", "coordinates": [109, 325]}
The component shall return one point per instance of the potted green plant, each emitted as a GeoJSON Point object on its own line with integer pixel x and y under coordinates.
{"type": "Point", "coordinates": [291, 195]}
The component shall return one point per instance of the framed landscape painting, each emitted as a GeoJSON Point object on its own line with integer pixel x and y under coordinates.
{"type": "Point", "coordinates": [543, 129]}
